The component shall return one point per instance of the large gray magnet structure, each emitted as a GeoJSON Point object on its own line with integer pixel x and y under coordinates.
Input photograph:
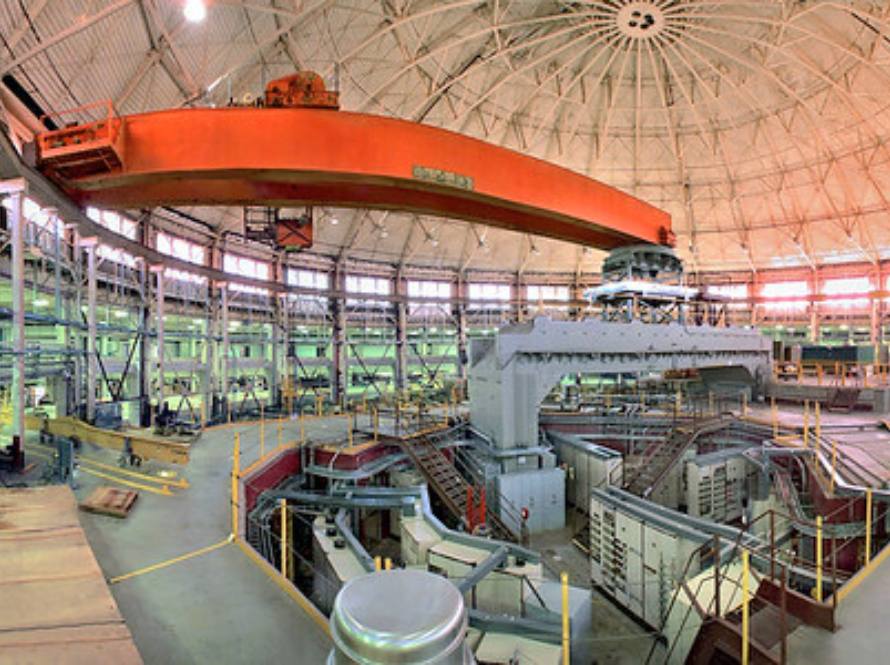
{"type": "Point", "coordinates": [512, 373]}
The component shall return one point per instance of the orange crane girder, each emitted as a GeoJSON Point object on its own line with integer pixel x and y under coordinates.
{"type": "Point", "coordinates": [304, 156]}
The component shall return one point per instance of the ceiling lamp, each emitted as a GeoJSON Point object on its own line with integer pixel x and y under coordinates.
{"type": "Point", "coordinates": [194, 11]}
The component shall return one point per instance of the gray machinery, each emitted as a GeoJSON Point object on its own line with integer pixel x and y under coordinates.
{"type": "Point", "coordinates": [647, 324]}
{"type": "Point", "coordinates": [511, 374]}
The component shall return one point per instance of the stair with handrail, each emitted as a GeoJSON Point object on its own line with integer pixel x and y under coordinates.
{"type": "Point", "coordinates": [449, 485]}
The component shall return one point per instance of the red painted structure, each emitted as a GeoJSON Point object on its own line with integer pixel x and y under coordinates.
{"type": "Point", "coordinates": [303, 156]}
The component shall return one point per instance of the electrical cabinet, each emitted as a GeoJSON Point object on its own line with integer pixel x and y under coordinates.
{"type": "Point", "coordinates": [715, 484]}
{"type": "Point", "coordinates": [637, 558]}
{"type": "Point", "coordinates": [587, 466]}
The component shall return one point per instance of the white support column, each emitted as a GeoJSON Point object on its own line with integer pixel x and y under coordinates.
{"type": "Point", "coordinates": [73, 313]}
{"type": "Point", "coordinates": [158, 271]}
{"type": "Point", "coordinates": [339, 378]}
{"type": "Point", "coordinates": [275, 369]}
{"type": "Point", "coordinates": [401, 317]}
{"type": "Point", "coordinates": [815, 319]}
{"type": "Point", "coordinates": [876, 327]}
{"type": "Point", "coordinates": [211, 325]}
{"type": "Point", "coordinates": [90, 244]}
{"type": "Point", "coordinates": [282, 368]}
{"type": "Point", "coordinates": [460, 315]}
{"type": "Point", "coordinates": [224, 334]}
{"type": "Point", "coordinates": [14, 190]}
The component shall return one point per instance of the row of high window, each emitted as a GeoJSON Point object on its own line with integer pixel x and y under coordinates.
{"type": "Point", "coordinates": [793, 295]}
{"type": "Point", "coordinates": [789, 295]}
{"type": "Point", "coordinates": [481, 295]}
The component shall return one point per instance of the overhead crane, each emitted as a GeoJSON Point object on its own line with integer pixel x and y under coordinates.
{"type": "Point", "coordinates": [296, 148]}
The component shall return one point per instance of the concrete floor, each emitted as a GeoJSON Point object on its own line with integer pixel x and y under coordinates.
{"type": "Point", "coordinates": [218, 607]}
{"type": "Point", "coordinates": [862, 636]}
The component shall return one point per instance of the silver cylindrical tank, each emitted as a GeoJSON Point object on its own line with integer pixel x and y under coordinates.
{"type": "Point", "coordinates": [410, 617]}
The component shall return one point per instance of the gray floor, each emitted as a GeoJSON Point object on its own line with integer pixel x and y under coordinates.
{"type": "Point", "coordinates": [863, 617]}
{"type": "Point", "coordinates": [218, 607]}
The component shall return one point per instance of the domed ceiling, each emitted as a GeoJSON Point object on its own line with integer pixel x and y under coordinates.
{"type": "Point", "coordinates": [761, 126]}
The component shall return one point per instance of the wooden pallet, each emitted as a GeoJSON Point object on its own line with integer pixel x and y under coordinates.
{"type": "Point", "coordinates": [110, 501]}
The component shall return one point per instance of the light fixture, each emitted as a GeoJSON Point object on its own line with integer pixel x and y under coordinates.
{"type": "Point", "coordinates": [120, 314]}
{"type": "Point", "coordinates": [41, 302]}
{"type": "Point", "coordinates": [194, 11]}
{"type": "Point", "coordinates": [334, 221]}
{"type": "Point", "coordinates": [383, 232]}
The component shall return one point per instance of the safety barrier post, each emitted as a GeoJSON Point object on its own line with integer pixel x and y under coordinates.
{"type": "Point", "coordinates": [566, 633]}
{"type": "Point", "coordinates": [378, 563]}
{"type": "Point", "coordinates": [774, 411]}
{"type": "Point", "coordinates": [819, 558]}
{"type": "Point", "coordinates": [262, 432]}
{"type": "Point", "coordinates": [302, 428]}
{"type": "Point", "coordinates": [744, 404]}
{"type": "Point", "coordinates": [867, 526]}
{"type": "Point", "coordinates": [236, 472]}
{"type": "Point", "coordinates": [349, 429]}
{"type": "Point", "coordinates": [818, 407]}
{"type": "Point", "coordinates": [819, 372]}
{"type": "Point", "coordinates": [746, 619]}
{"type": "Point", "coordinates": [806, 423]}
{"type": "Point", "coordinates": [833, 463]}
{"type": "Point", "coordinates": [284, 538]}
{"type": "Point", "coordinates": [203, 414]}
{"type": "Point", "coordinates": [376, 423]}
{"type": "Point", "coordinates": [280, 432]}
{"type": "Point", "coordinates": [387, 564]}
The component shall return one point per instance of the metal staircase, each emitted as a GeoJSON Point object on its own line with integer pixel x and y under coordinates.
{"type": "Point", "coordinates": [652, 468]}
{"type": "Point", "coordinates": [448, 484]}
